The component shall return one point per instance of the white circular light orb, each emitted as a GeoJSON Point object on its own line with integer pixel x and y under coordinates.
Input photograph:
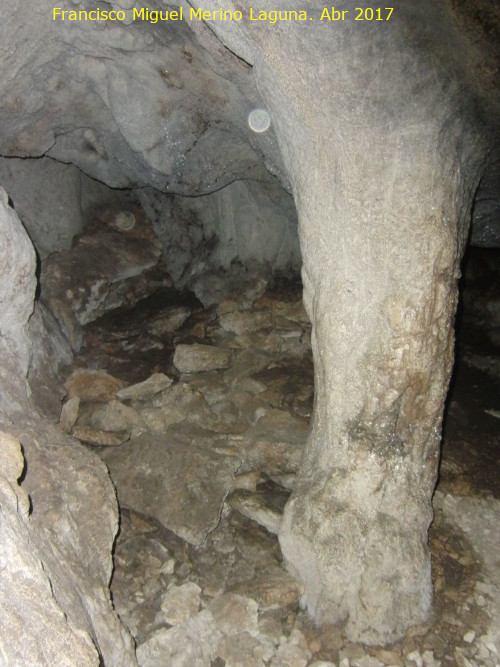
{"type": "Point", "coordinates": [125, 221]}
{"type": "Point", "coordinates": [259, 120]}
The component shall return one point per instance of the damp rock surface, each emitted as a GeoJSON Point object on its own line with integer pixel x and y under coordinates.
{"type": "Point", "coordinates": [197, 358]}
{"type": "Point", "coordinates": [198, 555]}
{"type": "Point", "coordinates": [104, 269]}
{"type": "Point", "coordinates": [181, 483]}
{"type": "Point", "coordinates": [26, 593]}
{"type": "Point", "coordinates": [382, 135]}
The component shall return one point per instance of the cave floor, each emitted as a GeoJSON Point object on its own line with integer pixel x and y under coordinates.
{"type": "Point", "coordinates": [212, 590]}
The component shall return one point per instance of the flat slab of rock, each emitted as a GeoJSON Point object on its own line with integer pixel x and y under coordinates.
{"type": "Point", "coordinates": [88, 276]}
{"type": "Point", "coordinates": [180, 483]}
{"type": "Point", "coordinates": [145, 390]}
{"type": "Point", "coordinates": [198, 358]}
{"type": "Point", "coordinates": [241, 322]}
{"type": "Point", "coordinates": [170, 322]}
{"type": "Point", "coordinates": [98, 438]}
{"type": "Point", "coordinates": [90, 385]}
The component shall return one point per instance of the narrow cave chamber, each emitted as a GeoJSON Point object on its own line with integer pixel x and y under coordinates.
{"type": "Point", "coordinates": [183, 359]}
{"type": "Point", "coordinates": [171, 331]}
{"type": "Point", "coordinates": [257, 377]}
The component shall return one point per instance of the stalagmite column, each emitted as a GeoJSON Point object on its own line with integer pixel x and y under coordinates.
{"type": "Point", "coordinates": [374, 130]}
{"type": "Point", "coordinates": [380, 272]}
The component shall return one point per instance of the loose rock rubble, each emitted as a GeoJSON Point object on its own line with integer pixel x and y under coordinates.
{"type": "Point", "coordinates": [109, 266]}
{"type": "Point", "coordinates": [223, 406]}
{"type": "Point", "coordinates": [201, 416]}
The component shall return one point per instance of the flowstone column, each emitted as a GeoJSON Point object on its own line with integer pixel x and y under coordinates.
{"type": "Point", "coordinates": [373, 120]}
{"type": "Point", "coordinates": [381, 252]}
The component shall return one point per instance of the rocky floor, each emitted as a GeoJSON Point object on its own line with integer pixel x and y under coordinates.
{"type": "Point", "coordinates": [201, 416]}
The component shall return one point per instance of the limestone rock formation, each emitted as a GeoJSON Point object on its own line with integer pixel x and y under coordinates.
{"type": "Point", "coordinates": [165, 113]}
{"type": "Point", "coordinates": [197, 358]}
{"type": "Point", "coordinates": [382, 130]}
{"type": "Point", "coordinates": [50, 352]}
{"type": "Point", "coordinates": [27, 598]}
{"type": "Point", "coordinates": [78, 286]}
{"type": "Point", "coordinates": [46, 195]}
{"type": "Point", "coordinates": [387, 295]}
{"type": "Point", "coordinates": [231, 235]}
{"type": "Point", "coordinates": [17, 291]}
{"type": "Point", "coordinates": [74, 521]}
{"type": "Point", "coordinates": [139, 392]}
{"type": "Point", "coordinates": [59, 526]}
{"type": "Point", "coordinates": [180, 481]}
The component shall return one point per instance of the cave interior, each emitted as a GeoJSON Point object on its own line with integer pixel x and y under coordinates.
{"type": "Point", "coordinates": [171, 343]}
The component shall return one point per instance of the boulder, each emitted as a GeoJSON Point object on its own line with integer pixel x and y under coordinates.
{"type": "Point", "coordinates": [34, 629]}
{"type": "Point", "coordinates": [46, 195]}
{"type": "Point", "coordinates": [175, 479]}
{"type": "Point", "coordinates": [197, 358]}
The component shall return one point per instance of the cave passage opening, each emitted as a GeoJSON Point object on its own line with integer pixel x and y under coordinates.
{"type": "Point", "coordinates": [197, 393]}
{"type": "Point", "coordinates": [170, 323]}
{"type": "Point", "coordinates": [178, 345]}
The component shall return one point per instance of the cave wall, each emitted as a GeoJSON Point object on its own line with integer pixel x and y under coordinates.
{"type": "Point", "coordinates": [383, 157]}
{"type": "Point", "coordinates": [46, 195]}
{"type": "Point", "coordinates": [58, 526]}
{"type": "Point", "coordinates": [218, 243]}
{"type": "Point", "coordinates": [381, 137]}
{"type": "Point", "coordinates": [485, 232]}
{"type": "Point", "coordinates": [164, 113]}
{"type": "Point", "coordinates": [17, 293]}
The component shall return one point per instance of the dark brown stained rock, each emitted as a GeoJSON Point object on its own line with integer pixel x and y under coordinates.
{"type": "Point", "coordinates": [96, 437]}
{"type": "Point", "coordinates": [93, 385]}
{"type": "Point", "coordinates": [179, 482]}
{"type": "Point", "coordinates": [273, 590]}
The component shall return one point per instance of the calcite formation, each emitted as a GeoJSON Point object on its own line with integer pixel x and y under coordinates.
{"type": "Point", "coordinates": [127, 137]}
